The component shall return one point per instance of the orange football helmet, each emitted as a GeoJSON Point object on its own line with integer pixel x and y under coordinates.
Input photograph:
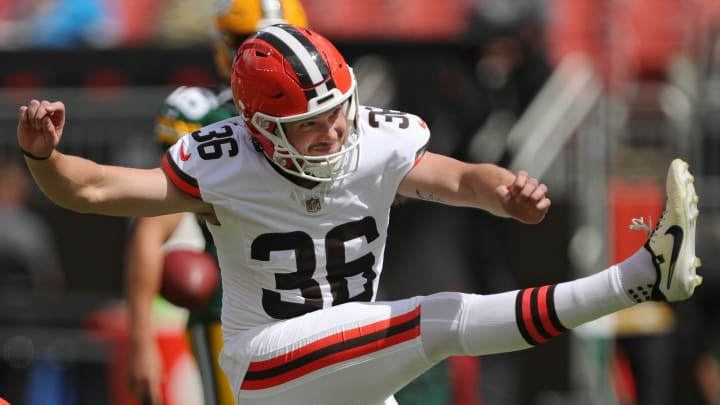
{"type": "Point", "coordinates": [286, 73]}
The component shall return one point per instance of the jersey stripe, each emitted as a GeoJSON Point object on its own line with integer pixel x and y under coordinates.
{"type": "Point", "coordinates": [306, 61]}
{"type": "Point", "coordinates": [535, 314]}
{"type": "Point", "coordinates": [181, 179]}
{"type": "Point", "coordinates": [420, 153]}
{"type": "Point", "coordinates": [332, 350]}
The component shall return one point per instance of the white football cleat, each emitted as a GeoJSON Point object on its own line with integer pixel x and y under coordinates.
{"type": "Point", "coordinates": [672, 243]}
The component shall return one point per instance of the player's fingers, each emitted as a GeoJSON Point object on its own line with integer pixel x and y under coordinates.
{"type": "Point", "coordinates": [56, 112]}
{"type": "Point", "coordinates": [43, 109]}
{"type": "Point", "coordinates": [48, 125]}
{"type": "Point", "coordinates": [503, 193]}
{"type": "Point", "coordinates": [33, 106]}
{"type": "Point", "coordinates": [55, 105]}
{"type": "Point", "coordinates": [39, 114]}
{"type": "Point", "coordinates": [33, 109]}
{"type": "Point", "coordinates": [45, 118]}
{"type": "Point", "coordinates": [519, 183]}
{"type": "Point", "coordinates": [544, 204]}
{"type": "Point", "coordinates": [539, 193]}
{"type": "Point", "coordinates": [55, 109]}
{"type": "Point", "coordinates": [531, 185]}
{"type": "Point", "coordinates": [23, 116]}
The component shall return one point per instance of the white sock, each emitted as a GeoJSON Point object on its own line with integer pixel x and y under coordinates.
{"type": "Point", "coordinates": [638, 275]}
{"type": "Point", "coordinates": [591, 297]}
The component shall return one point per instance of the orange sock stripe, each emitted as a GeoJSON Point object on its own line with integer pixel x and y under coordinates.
{"type": "Point", "coordinates": [535, 315]}
{"type": "Point", "coordinates": [525, 318]}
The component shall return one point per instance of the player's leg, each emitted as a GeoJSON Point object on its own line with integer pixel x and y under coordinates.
{"type": "Point", "coordinates": [206, 343]}
{"type": "Point", "coordinates": [665, 269]}
{"type": "Point", "coordinates": [355, 353]}
{"type": "Point", "coordinates": [365, 352]}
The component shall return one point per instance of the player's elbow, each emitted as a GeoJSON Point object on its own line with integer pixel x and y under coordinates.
{"type": "Point", "coordinates": [83, 202]}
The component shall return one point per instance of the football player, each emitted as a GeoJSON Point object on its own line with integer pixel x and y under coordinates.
{"type": "Point", "coordinates": [186, 110]}
{"type": "Point", "coordinates": [297, 192]}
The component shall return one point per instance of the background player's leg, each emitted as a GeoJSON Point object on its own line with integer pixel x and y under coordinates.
{"type": "Point", "coordinates": [206, 343]}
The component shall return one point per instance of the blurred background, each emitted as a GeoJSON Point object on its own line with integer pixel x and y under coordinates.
{"type": "Point", "coordinates": [595, 97]}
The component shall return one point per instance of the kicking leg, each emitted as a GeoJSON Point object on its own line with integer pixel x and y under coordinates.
{"type": "Point", "coordinates": [664, 269]}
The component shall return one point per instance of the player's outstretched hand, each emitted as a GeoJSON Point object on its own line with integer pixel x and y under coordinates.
{"type": "Point", "coordinates": [525, 199]}
{"type": "Point", "coordinates": [40, 126]}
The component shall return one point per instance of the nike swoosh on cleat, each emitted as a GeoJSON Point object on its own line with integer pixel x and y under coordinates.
{"type": "Point", "coordinates": [677, 234]}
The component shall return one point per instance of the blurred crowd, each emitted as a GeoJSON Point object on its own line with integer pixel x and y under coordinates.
{"type": "Point", "coordinates": [130, 23]}
{"type": "Point", "coordinates": [101, 23]}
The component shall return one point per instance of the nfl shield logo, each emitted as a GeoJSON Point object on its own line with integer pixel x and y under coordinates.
{"type": "Point", "coordinates": [312, 204]}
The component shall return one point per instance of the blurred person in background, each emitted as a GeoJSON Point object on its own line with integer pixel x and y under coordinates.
{"type": "Point", "coordinates": [185, 110]}
{"type": "Point", "coordinates": [29, 264]}
{"type": "Point", "coordinates": [29, 271]}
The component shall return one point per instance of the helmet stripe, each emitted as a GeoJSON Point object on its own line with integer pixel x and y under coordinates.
{"type": "Point", "coordinates": [303, 56]}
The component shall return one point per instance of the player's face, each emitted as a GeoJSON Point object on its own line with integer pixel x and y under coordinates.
{"type": "Point", "coordinates": [320, 135]}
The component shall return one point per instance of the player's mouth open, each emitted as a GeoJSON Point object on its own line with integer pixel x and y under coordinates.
{"type": "Point", "coordinates": [323, 149]}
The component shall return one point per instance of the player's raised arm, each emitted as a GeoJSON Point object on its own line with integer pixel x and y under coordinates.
{"type": "Point", "coordinates": [486, 186]}
{"type": "Point", "coordinates": [84, 186]}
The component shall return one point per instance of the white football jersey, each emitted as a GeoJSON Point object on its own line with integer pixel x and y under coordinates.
{"type": "Point", "coordinates": [285, 250]}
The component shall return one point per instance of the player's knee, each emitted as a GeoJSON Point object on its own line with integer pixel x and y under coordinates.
{"type": "Point", "coordinates": [441, 320]}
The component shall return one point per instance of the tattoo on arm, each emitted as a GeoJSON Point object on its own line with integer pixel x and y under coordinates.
{"type": "Point", "coordinates": [427, 197]}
